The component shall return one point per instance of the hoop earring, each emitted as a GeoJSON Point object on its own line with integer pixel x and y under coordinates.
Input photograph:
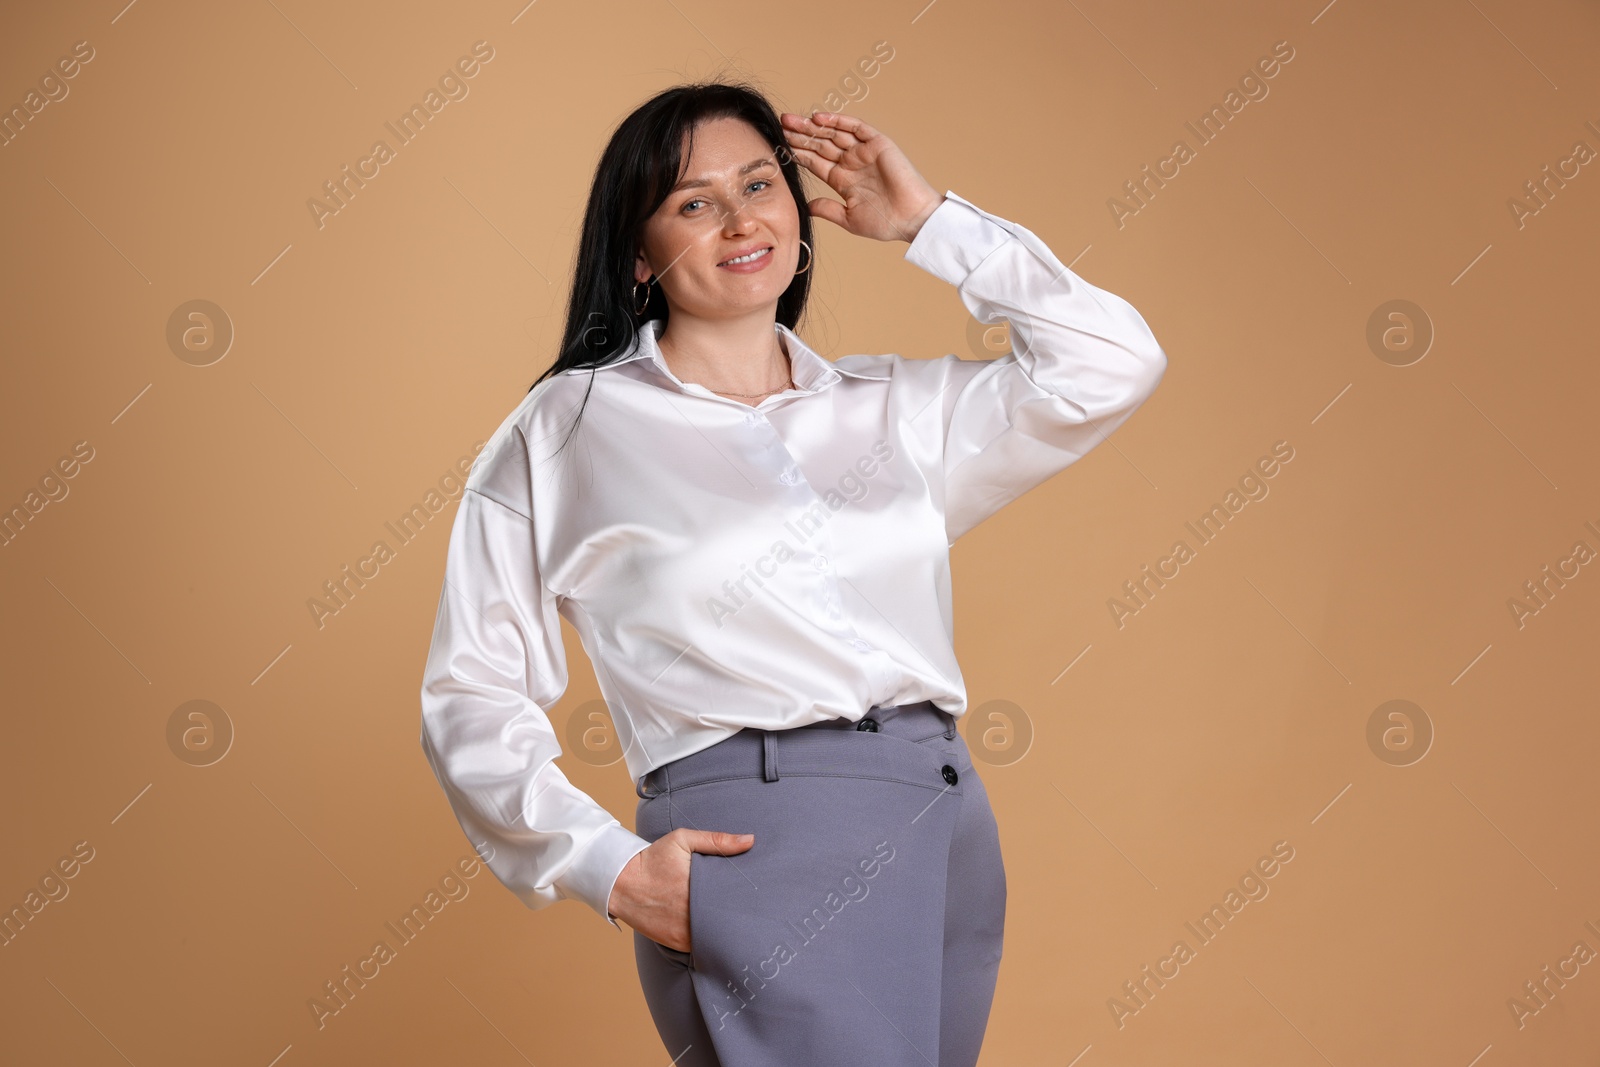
{"type": "Point", "coordinates": [808, 258]}
{"type": "Point", "coordinates": [638, 308]}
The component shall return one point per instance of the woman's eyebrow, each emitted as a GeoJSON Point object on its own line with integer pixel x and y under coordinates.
{"type": "Point", "coordinates": [694, 183]}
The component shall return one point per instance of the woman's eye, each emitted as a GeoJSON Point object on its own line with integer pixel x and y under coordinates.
{"type": "Point", "coordinates": [762, 183]}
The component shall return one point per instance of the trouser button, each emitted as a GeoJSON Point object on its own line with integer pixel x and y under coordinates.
{"type": "Point", "coordinates": [949, 773]}
{"type": "Point", "coordinates": [868, 725]}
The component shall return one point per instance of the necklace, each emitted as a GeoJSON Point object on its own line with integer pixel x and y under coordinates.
{"type": "Point", "coordinates": [788, 384]}
{"type": "Point", "coordinates": [769, 392]}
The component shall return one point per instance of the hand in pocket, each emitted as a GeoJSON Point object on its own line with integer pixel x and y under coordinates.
{"type": "Point", "coordinates": [652, 892]}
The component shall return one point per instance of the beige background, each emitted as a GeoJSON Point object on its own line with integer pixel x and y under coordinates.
{"type": "Point", "coordinates": [1228, 714]}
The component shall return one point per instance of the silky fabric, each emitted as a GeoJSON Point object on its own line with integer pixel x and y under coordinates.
{"type": "Point", "coordinates": [728, 566]}
{"type": "Point", "coordinates": [864, 925]}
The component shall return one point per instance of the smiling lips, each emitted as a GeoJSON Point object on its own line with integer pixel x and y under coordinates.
{"type": "Point", "coordinates": [749, 261]}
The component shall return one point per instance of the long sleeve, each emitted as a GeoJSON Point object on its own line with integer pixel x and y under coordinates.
{"type": "Point", "coordinates": [1082, 361]}
{"type": "Point", "coordinates": [495, 667]}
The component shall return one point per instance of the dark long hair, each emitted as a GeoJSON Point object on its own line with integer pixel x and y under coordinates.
{"type": "Point", "coordinates": [641, 163]}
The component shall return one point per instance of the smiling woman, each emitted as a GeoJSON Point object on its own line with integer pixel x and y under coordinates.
{"type": "Point", "coordinates": [723, 247]}
{"type": "Point", "coordinates": [816, 710]}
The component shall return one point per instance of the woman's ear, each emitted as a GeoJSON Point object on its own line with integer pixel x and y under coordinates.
{"type": "Point", "coordinates": [641, 268]}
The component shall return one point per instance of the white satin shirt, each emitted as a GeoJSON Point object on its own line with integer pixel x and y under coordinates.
{"type": "Point", "coordinates": [729, 566]}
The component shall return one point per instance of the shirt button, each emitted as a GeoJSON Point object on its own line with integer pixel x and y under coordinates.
{"type": "Point", "coordinates": [790, 476]}
{"type": "Point", "coordinates": [752, 419]}
{"type": "Point", "coordinates": [820, 562]}
{"type": "Point", "coordinates": [860, 645]}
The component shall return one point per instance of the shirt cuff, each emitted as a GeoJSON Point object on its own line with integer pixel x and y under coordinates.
{"type": "Point", "coordinates": [591, 876]}
{"type": "Point", "coordinates": [956, 238]}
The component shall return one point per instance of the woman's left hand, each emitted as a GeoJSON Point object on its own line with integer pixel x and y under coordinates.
{"type": "Point", "coordinates": [884, 196]}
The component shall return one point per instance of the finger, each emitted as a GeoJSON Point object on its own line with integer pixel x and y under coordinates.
{"type": "Point", "coordinates": [821, 146]}
{"type": "Point", "coordinates": [792, 121]}
{"type": "Point", "coordinates": [841, 129]}
{"type": "Point", "coordinates": [813, 162]}
{"type": "Point", "coordinates": [718, 843]}
{"type": "Point", "coordinates": [831, 133]}
{"type": "Point", "coordinates": [834, 136]}
{"type": "Point", "coordinates": [847, 124]}
{"type": "Point", "coordinates": [824, 208]}
{"type": "Point", "coordinates": [813, 134]}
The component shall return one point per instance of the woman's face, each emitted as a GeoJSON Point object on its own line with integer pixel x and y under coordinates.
{"type": "Point", "coordinates": [732, 200]}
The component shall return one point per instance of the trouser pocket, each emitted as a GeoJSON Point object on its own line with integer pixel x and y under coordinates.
{"type": "Point", "coordinates": [652, 821]}
{"type": "Point", "coordinates": [674, 956]}
{"type": "Point", "coordinates": [836, 914]}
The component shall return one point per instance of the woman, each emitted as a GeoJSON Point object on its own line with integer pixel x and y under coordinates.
{"type": "Point", "coordinates": [753, 544]}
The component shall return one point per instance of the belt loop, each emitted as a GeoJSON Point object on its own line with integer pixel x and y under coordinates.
{"type": "Point", "coordinates": [769, 753]}
{"type": "Point", "coordinates": [638, 787]}
{"type": "Point", "coordinates": [950, 726]}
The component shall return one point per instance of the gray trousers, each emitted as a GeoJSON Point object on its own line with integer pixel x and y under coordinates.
{"type": "Point", "coordinates": [864, 926]}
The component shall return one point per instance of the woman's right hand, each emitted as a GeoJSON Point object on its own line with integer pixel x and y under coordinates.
{"type": "Point", "coordinates": [652, 892]}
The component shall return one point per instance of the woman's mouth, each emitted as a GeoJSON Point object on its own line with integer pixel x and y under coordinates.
{"type": "Point", "coordinates": [749, 262]}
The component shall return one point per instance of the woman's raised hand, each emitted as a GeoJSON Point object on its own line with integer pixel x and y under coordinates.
{"type": "Point", "coordinates": [884, 196]}
{"type": "Point", "coordinates": [652, 892]}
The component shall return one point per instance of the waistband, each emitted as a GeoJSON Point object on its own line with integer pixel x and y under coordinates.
{"type": "Point", "coordinates": [754, 752]}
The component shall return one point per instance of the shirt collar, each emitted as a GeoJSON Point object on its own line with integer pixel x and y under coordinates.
{"type": "Point", "coordinates": [812, 373]}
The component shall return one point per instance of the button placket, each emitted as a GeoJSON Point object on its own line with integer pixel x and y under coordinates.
{"type": "Point", "coordinates": [789, 472]}
{"type": "Point", "coordinates": [822, 560]}
{"type": "Point", "coordinates": [827, 573]}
